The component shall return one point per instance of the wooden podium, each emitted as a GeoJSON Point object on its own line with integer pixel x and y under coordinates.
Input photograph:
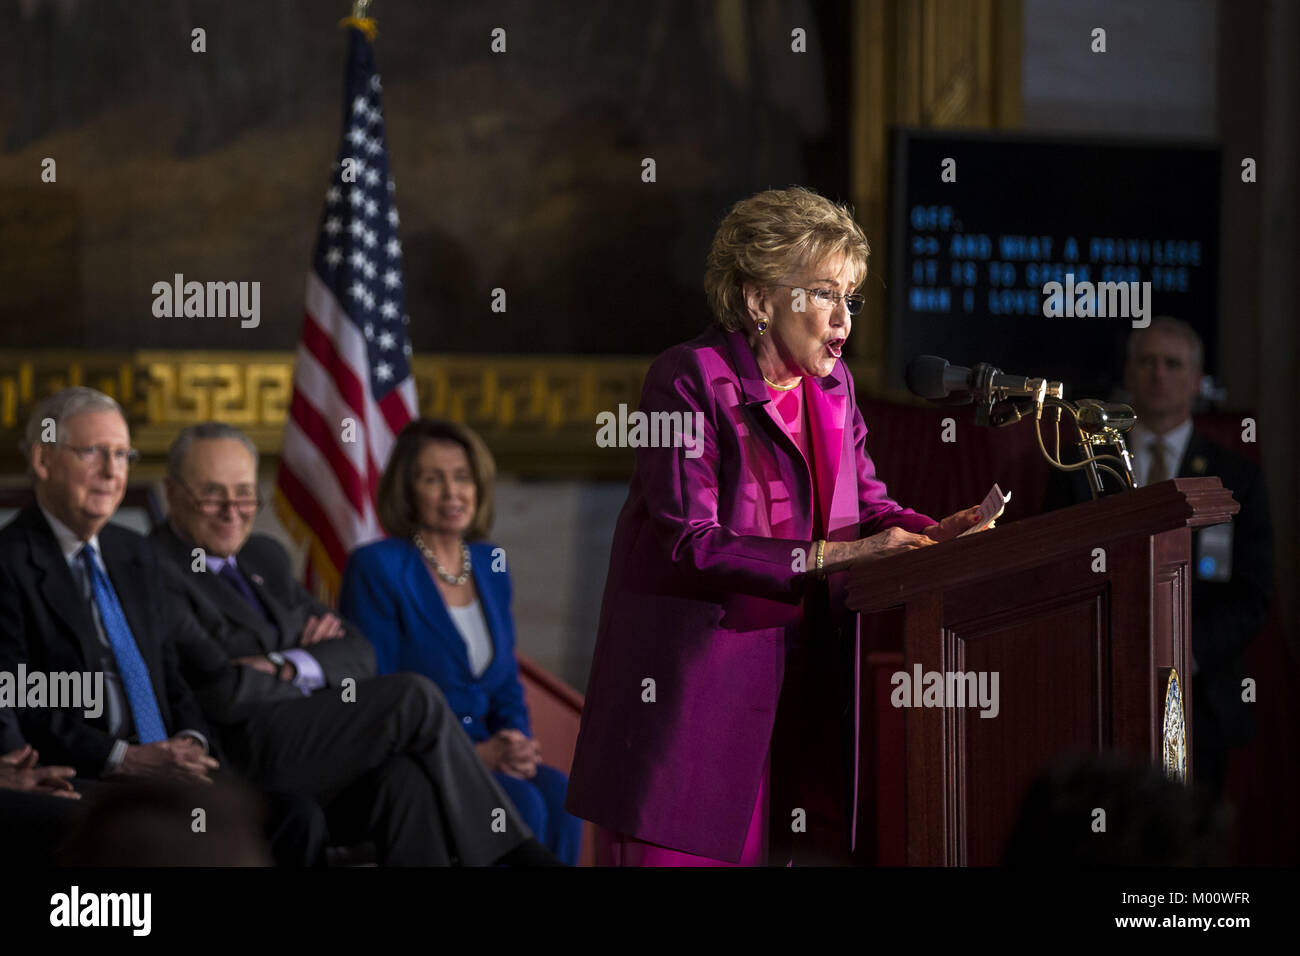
{"type": "Point", "coordinates": [1080, 613]}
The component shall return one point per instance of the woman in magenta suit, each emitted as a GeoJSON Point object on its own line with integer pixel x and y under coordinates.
{"type": "Point", "coordinates": [436, 604]}
{"type": "Point", "coordinates": [721, 555]}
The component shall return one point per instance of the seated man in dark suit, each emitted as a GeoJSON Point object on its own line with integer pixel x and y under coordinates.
{"type": "Point", "coordinates": [1229, 603]}
{"type": "Point", "coordinates": [293, 690]}
{"type": "Point", "coordinates": [78, 595]}
{"type": "Point", "coordinates": [75, 597]}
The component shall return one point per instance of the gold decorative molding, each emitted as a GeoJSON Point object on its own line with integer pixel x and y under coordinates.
{"type": "Point", "coordinates": [28, 376]}
{"type": "Point", "coordinates": [537, 413]}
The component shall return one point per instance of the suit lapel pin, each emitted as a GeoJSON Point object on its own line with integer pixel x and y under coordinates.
{"type": "Point", "coordinates": [257, 579]}
{"type": "Point", "coordinates": [1198, 464]}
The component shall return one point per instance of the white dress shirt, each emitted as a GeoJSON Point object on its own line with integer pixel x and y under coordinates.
{"type": "Point", "coordinates": [1174, 444]}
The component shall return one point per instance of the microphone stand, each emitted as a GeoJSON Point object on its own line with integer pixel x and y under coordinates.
{"type": "Point", "coordinates": [1100, 426]}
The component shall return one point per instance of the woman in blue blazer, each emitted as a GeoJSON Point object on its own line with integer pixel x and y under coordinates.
{"type": "Point", "coordinates": [436, 605]}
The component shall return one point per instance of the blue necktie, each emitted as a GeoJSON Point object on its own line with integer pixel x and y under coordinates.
{"type": "Point", "coordinates": [135, 675]}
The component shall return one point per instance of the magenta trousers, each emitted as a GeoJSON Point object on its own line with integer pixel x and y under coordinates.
{"type": "Point", "coordinates": [617, 849]}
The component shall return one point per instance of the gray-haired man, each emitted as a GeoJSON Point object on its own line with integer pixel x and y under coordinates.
{"type": "Point", "coordinates": [293, 690]}
{"type": "Point", "coordinates": [75, 597]}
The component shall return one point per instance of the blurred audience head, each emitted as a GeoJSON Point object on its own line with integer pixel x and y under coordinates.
{"type": "Point", "coordinates": [772, 235]}
{"type": "Point", "coordinates": [79, 453]}
{"type": "Point", "coordinates": [440, 479]}
{"type": "Point", "coordinates": [1110, 810]}
{"type": "Point", "coordinates": [212, 492]}
{"type": "Point", "coordinates": [166, 823]}
{"type": "Point", "coordinates": [1163, 372]}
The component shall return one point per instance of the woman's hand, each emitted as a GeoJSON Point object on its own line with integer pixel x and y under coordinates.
{"type": "Point", "coordinates": [954, 524]}
{"type": "Point", "coordinates": [842, 554]}
{"type": "Point", "coordinates": [523, 755]}
{"type": "Point", "coordinates": [510, 752]}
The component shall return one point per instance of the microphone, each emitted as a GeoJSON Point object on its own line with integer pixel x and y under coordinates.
{"type": "Point", "coordinates": [929, 376]}
{"type": "Point", "coordinates": [1094, 416]}
{"type": "Point", "coordinates": [932, 377]}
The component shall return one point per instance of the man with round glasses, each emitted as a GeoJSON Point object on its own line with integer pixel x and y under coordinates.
{"type": "Point", "coordinates": [292, 689]}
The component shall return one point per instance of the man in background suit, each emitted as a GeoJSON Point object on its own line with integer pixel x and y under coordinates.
{"type": "Point", "coordinates": [1163, 376]}
{"type": "Point", "coordinates": [77, 594]}
{"type": "Point", "coordinates": [388, 759]}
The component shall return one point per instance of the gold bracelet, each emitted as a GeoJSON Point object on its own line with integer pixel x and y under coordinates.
{"type": "Point", "coordinates": [821, 557]}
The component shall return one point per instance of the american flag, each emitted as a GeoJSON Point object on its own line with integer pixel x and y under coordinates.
{"type": "Point", "coordinates": [352, 385]}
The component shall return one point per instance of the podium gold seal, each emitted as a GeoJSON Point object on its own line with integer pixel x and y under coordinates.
{"type": "Point", "coordinates": [1175, 730]}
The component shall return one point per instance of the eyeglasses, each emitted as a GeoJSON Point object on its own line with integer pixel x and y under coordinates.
{"type": "Point", "coordinates": [827, 299]}
{"type": "Point", "coordinates": [244, 507]}
{"type": "Point", "coordinates": [118, 457]}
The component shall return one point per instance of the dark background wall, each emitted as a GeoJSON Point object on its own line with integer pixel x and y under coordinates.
{"type": "Point", "coordinates": [519, 170]}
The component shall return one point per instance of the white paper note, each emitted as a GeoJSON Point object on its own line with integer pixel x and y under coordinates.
{"type": "Point", "coordinates": [991, 508]}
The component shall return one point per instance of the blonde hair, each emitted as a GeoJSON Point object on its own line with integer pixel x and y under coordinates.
{"type": "Point", "coordinates": [768, 235]}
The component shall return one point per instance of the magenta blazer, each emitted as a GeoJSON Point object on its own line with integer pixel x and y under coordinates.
{"type": "Point", "coordinates": [703, 584]}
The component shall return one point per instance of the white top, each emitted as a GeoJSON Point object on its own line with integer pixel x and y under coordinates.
{"type": "Point", "coordinates": [471, 623]}
{"type": "Point", "coordinates": [1175, 446]}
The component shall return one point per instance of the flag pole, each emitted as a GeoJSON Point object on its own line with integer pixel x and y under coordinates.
{"type": "Point", "coordinates": [361, 19]}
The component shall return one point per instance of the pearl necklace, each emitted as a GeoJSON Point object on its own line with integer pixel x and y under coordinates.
{"type": "Point", "coordinates": [452, 579]}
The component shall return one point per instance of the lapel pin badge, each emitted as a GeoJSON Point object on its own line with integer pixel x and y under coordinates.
{"type": "Point", "coordinates": [1198, 464]}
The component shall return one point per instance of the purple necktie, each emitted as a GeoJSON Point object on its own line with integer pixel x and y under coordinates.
{"type": "Point", "coordinates": [230, 573]}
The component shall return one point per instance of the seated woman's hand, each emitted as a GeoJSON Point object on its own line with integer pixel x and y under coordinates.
{"type": "Point", "coordinates": [523, 754]}
{"type": "Point", "coordinates": [954, 524]}
{"type": "Point", "coordinates": [510, 752]}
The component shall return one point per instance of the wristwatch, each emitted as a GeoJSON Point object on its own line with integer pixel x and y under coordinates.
{"type": "Point", "coordinates": [279, 660]}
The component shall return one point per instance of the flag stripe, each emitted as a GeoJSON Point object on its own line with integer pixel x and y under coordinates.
{"type": "Point", "coordinates": [316, 387]}
{"type": "Point", "coordinates": [321, 347]}
{"type": "Point", "coordinates": [394, 411]}
{"type": "Point", "coordinates": [352, 484]}
{"type": "Point", "coordinates": [382, 424]}
{"type": "Point", "coordinates": [311, 513]}
{"type": "Point", "coordinates": [315, 475]}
